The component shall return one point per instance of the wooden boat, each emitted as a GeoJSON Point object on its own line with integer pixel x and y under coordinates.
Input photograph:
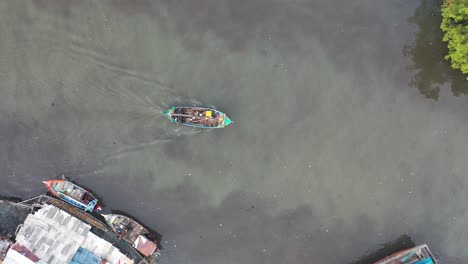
{"type": "Point", "coordinates": [197, 117]}
{"type": "Point", "coordinates": [415, 255]}
{"type": "Point", "coordinates": [73, 194]}
{"type": "Point", "coordinates": [133, 233]}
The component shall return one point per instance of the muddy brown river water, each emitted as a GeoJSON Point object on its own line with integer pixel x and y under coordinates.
{"type": "Point", "coordinates": [349, 131]}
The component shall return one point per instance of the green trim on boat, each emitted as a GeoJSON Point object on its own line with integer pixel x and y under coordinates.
{"type": "Point", "coordinates": [168, 113]}
{"type": "Point", "coordinates": [227, 121]}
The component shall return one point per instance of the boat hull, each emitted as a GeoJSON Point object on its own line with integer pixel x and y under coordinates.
{"type": "Point", "coordinates": [133, 233]}
{"type": "Point", "coordinates": [73, 194]}
{"type": "Point", "coordinates": [415, 255]}
{"type": "Point", "coordinates": [199, 117]}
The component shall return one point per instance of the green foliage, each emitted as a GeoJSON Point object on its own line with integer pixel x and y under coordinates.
{"type": "Point", "coordinates": [430, 71]}
{"type": "Point", "coordinates": [455, 26]}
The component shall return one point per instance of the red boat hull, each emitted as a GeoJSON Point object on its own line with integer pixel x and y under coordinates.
{"type": "Point", "coordinates": [51, 185]}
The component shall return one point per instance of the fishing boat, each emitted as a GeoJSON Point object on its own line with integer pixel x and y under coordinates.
{"type": "Point", "coordinates": [415, 255]}
{"type": "Point", "coordinates": [197, 117]}
{"type": "Point", "coordinates": [133, 233]}
{"type": "Point", "coordinates": [73, 194]}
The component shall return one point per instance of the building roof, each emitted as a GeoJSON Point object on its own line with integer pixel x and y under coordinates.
{"type": "Point", "coordinates": [19, 254]}
{"type": "Point", "coordinates": [104, 249]}
{"type": "Point", "coordinates": [83, 256]}
{"type": "Point", "coordinates": [52, 234]}
{"type": "Point", "coordinates": [55, 237]}
{"type": "Point", "coordinates": [144, 245]}
{"type": "Point", "coordinates": [13, 257]}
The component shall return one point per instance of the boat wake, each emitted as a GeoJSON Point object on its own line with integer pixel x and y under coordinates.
{"type": "Point", "coordinates": [118, 77]}
{"type": "Point", "coordinates": [126, 95]}
{"type": "Point", "coordinates": [185, 101]}
{"type": "Point", "coordinates": [131, 149]}
{"type": "Point", "coordinates": [100, 57]}
{"type": "Point", "coordinates": [140, 124]}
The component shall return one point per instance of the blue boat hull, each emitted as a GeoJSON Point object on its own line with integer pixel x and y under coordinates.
{"type": "Point", "coordinates": [73, 194]}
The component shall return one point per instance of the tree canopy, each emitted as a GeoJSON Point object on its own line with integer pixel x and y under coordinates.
{"type": "Point", "coordinates": [455, 26]}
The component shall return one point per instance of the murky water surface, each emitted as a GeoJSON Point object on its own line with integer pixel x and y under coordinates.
{"type": "Point", "coordinates": [350, 129]}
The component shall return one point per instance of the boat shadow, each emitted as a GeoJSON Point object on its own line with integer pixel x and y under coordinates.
{"type": "Point", "coordinates": [11, 199]}
{"type": "Point", "coordinates": [402, 242]}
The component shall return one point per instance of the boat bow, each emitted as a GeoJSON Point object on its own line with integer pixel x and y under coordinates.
{"type": "Point", "coordinates": [227, 121]}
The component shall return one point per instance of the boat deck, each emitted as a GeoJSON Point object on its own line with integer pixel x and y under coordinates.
{"type": "Point", "coordinates": [198, 117]}
{"type": "Point", "coordinates": [73, 191]}
{"type": "Point", "coordinates": [134, 230]}
{"type": "Point", "coordinates": [127, 229]}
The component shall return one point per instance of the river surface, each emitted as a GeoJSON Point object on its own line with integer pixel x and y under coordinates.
{"type": "Point", "coordinates": [350, 128]}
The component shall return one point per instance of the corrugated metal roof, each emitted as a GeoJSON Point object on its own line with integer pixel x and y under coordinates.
{"type": "Point", "coordinates": [50, 237]}
{"type": "Point", "coordinates": [144, 245]}
{"type": "Point", "coordinates": [55, 236]}
{"type": "Point", "coordinates": [14, 257]}
{"type": "Point", "coordinates": [83, 256]}
{"type": "Point", "coordinates": [19, 254]}
{"type": "Point", "coordinates": [104, 249]}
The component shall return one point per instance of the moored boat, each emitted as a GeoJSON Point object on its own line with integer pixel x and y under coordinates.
{"type": "Point", "coordinates": [133, 233]}
{"type": "Point", "coordinates": [416, 255]}
{"type": "Point", "coordinates": [200, 117]}
{"type": "Point", "coordinates": [73, 194]}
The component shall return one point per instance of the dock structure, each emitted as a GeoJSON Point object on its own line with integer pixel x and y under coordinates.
{"type": "Point", "coordinates": [71, 234]}
{"type": "Point", "coordinates": [55, 237]}
{"type": "Point", "coordinates": [80, 214]}
{"type": "Point", "coordinates": [40, 200]}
